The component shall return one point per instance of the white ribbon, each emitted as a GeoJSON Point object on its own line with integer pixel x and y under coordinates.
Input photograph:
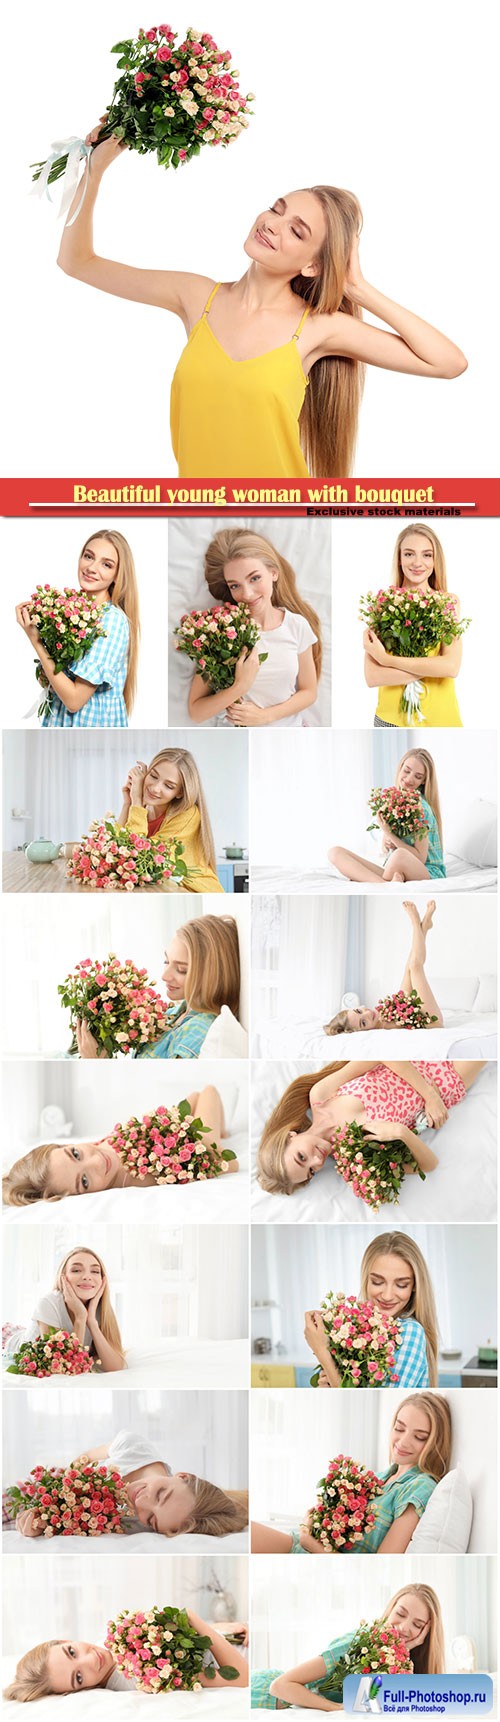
{"type": "Point", "coordinates": [77, 151]}
{"type": "Point", "coordinates": [412, 695]}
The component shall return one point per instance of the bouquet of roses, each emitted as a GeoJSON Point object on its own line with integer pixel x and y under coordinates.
{"type": "Point", "coordinates": [114, 859]}
{"type": "Point", "coordinates": [170, 98]}
{"type": "Point", "coordinates": [412, 625]}
{"type": "Point", "coordinates": [402, 810]}
{"type": "Point", "coordinates": [58, 1354]}
{"type": "Point", "coordinates": [374, 1647]}
{"type": "Point", "coordinates": [162, 1651]}
{"type": "Point", "coordinates": [362, 1341]}
{"type": "Point", "coordinates": [215, 639]}
{"type": "Point", "coordinates": [71, 1501]}
{"type": "Point", "coordinates": [116, 1001]}
{"type": "Point", "coordinates": [375, 1170]}
{"type": "Point", "coordinates": [343, 1512]}
{"type": "Point", "coordinates": [172, 1145]}
{"type": "Point", "coordinates": [405, 1010]}
{"type": "Point", "coordinates": [68, 623]}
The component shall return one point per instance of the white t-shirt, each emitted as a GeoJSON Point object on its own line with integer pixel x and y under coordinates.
{"type": "Point", "coordinates": [276, 679]}
{"type": "Point", "coordinates": [50, 1312]}
{"type": "Point", "coordinates": [128, 1452]}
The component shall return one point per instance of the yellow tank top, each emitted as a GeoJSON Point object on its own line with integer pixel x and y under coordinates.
{"type": "Point", "coordinates": [439, 704]}
{"type": "Point", "coordinates": [237, 418]}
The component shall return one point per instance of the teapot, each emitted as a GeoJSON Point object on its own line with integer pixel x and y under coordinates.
{"type": "Point", "coordinates": [42, 849]}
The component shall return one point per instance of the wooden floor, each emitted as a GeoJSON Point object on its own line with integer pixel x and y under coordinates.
{"type": "Point", "coordinates": [19, 874]}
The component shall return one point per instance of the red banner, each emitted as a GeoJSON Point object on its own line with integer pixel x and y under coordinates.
{"type": "Point", "coordinates": [361, 498]}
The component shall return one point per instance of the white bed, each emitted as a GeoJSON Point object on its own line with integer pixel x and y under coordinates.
{"type": "Point", "coordinates": [141, 1543]}
{"type": "Point", "coordinates": [202, 1363]}
{"type": "Point", "coordinates": [463, 1186]}
{"type": "Point", "coordinates": [466, 1034]}
{"type": "Point", "coordinates": [325, 881]}
{"type": "Point", "coordinates": [223, 1199]}
{"type": "Point", "coordinates": [215, 1706]}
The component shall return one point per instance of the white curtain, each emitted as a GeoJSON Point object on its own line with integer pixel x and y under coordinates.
{"type": "Point", "coordinates": [299, 953]}
{"type": "Point", "coordinates": [69, 1606]}
{"type": "Point", "coordinates": [308, 790]}
{"type": "Point", "coordinates": [206, 1433]}
{"type": "Point", "coordinates": [93, 1095]}
{"type": "Point", "coordinates": [295, 1435]}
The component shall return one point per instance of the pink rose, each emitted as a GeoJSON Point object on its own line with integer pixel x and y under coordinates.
{"type": "Point", "coordinates": [164, 54]}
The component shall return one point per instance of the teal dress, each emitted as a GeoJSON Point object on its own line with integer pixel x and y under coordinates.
{"type": "Point", "coordinates": [413, 1489]}
{"type": "Point", "coordinates": [435, 860]}
{"type": "Point", "coordinates": [262, 1678]}
{"type": "Point", "coordinates": [184, 1040]}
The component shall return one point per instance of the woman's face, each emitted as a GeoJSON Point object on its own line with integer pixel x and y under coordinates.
{"type": "Point", "coordinates": [417, 561]}
{"type": "Point", "coordinates": [412, 1618]}
{"type": "Point", "coordinates": [409, 1434]}
{"type": "Point", "coordinates": [162, 784]}
{"type": "Point", "coordinates": [78, 1170]}
{"type": "Point", "coordinates": [250, 582]}
{"type": "Point", "coordinates": [286, 239]}
{"type": "Point", "coordinates": [98, 567]}
{"type": "Point", "coordinates": [75, 1667]}
{"type": "Point", "coordinates": [176, 968]}
{"type": "Point", "coordinates": [163, 1503]}
{"type": "Point", "coordinates": [84, 1273]}
{"type": "Point", "coordinates": [305, 1153]}
{"type": "Point", "coordinates": [411, 773]}
{"type": "Point", "coordinates": [362, 1017]}
{"type": "Point", "coordinates": [390, 1284]}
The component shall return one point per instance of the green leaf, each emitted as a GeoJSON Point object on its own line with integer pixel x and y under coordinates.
{"type": "Point", "coordinates": [209, 1671]}
{"type": "Point", "coordinates": [227, 1673]}
{"type": "Point", "coordinates": [183, 1109]}
{"type": "Point", "coordinates": [227, 1154]}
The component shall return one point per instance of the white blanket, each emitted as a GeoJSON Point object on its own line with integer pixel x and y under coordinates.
{"type": "Point", "coordinates": [466, 1034]}
{"type": "Point", "coordinates": [463, 1186]}
{"type": "Point", "coordinates": [214, 1706]}
{"type": "Point", "coordinates": [202, 1363]}
{"type": "Point", "coordinates": [223, 1199]}
{"type": "Point", "coordinates": [140, 1543]}
{"type": "Point", "coordinates": [326, 882]}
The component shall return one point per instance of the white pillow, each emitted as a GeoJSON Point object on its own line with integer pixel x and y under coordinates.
{"type": "Point", "coordinates": [226, 1038]}
{"type": "Point", "coordinates": [487, 995]}
{"type": "Point", "coordinates": [474, 835]}
{"type": "Point", "coordinates": [455, 992]}
{"type": "Point", "coordinates": [445, 1526]}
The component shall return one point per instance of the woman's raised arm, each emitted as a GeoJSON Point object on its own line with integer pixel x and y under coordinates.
{"type": "Point", "coordinates": [416, 347]}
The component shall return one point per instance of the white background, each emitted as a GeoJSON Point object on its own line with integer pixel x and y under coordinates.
{"type": "Point", "coordinates": [205, 1433]}
{"type": "Point", "coordinates": [399, 108]}
{"type": "Point", "coordinates": [94, 1094]}
{"type": "Point", "coordinates": [81, 1608]}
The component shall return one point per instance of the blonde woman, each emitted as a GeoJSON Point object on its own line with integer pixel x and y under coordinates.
{"type": "Point", "coordinates": [384, 1099]}
{"type": "Point", "coordinates": [165, 800]}
{"type": "Point", "coordinates": [52, 1171]}
{"type": "Point", "coordinates": [283, 348]}
{"type": "Point", "coordinates": [419, 1456]}
{"type": "Point", "coordinates": [79, 1303]}
{"type": "Point", "coordinates": [201, 974]}
{"type": "Point", "coordinates": [396, 1280]}
{"type": "Point", "coordinates": [414, 980]}
{"type": "Point", "coordinates": [414, 1612]}
{"type": "Point", "coordinates": [405, 859]}
{"type": "Point", "coordinates": [418, 567]}
{"type": "Point", "coordinates": [100, 692]}
{"type": "Point", "coordinates": [243, 567]}
{"type": "Point", "coordinates": [160, 1500]}
{"type": "Point", "coordinates": [63, 1666]}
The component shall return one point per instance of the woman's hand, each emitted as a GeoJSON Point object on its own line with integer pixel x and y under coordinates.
{"type": "Point", "coordinates": [246, 670]}
{"type": "Point", "coordinates": [103, 154]}
{"type": "Point", "coordinates": [95, 1300]}
{"type": "Point", "coordinates": [23, 617]}
{"type": "Point", "coordinates": [87, 1045]}
{"type": "Point", "coordinates": [29, 1524]}
{"type": "Point", "coordinates": [374, 647]}
{"type": "Point", "coordinates": [384, 1130]}
{"type": "Point", "coordinates": [315, 1333]}
{"type": "Point", "coordinates": [354, 283]}
{"type": "Point", "coordinates": [136, 783]}
{"type": "Point", "coordinates": [76, 1309]}
{"type": "Point", "coordinates": [245, 714]}
{"type": "Point", "coordinates": [323, 1379]}
{"type": "Point", "coordinates": [435, 1111]}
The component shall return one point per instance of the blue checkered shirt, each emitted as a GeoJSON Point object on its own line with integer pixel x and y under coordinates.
{"type": "Point", "coordinates": [105, 665]}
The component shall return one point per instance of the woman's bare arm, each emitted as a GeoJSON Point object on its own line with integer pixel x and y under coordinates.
{"type": "Point", "coordinates": [292, 1687]}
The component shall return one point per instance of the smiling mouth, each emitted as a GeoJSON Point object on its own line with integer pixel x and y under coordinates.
{"type": "Point", "coordinates": [107, 1161]}
{"type": "Point", "coordinates": [263, 239]}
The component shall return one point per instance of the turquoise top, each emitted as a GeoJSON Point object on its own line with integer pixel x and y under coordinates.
{"type": "Point", "coordinates": [184, 1041]}
{"type": "Point", "coordinates": [413, 1489]}
{"type": "Point", "coordinates": [435, 861]}
{"type": "Point", "coordinates": [262, 1678]}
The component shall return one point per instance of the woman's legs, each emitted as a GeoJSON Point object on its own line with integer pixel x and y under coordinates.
{"type": "Point", "coordinates": [415, 970]}
{"type": "Point", "coordinates": [266, 1541]}
{"type": "Point", "coordinates": [403, 864]}
{"type": "Point", "coordinates": [208, 1106]}
{"type": "Point", "coordinates": [469, 1069]}
{"type": "Point", "coordinates": [353, 867]}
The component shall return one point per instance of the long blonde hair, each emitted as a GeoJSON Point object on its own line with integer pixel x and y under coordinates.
{"type": "Point", "coordinates": [216, 1512]}
{"type": "Point", "coordinates": [437, 580]}
{"type": "Point", "coordinates": [428, 1658]}
{"type": "Point", "coordinates": [434, 1457]}
{"type": "Point", "coordinates": [31, 1679]}
{"type": "Point", "coordinates": [29, 1178]}
{"type": "Point", "coordinates": [191, 795]}
{"type": "Point", "coordinates": [237, 541]}
{"type": "Point", "coordinates": [429, 787]}
{"type": "Point", "coordinates": [329, 417]}
{"type": "Point", "coordinates": [421, 1304]}
{"type": "Point", "coordinates": [124, 594]}
{"type": "Point", "coordinates": [214, 977]}
{"type": "Point", "coordinates": [105, 1314]}
{"type": "Point", "coordinates": [289, 1114]}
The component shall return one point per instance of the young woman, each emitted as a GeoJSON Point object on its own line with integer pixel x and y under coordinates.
{"type": "Point", "coordinates": [414, 980]}
{"type": "Point", "coordinates": [419, 567]}
{"type": "Point", "coordinates": [63, 1666]}
{"type": "Point", "coordinates": [405, 859]}
{"type": "Point", "coordinates": [242, 567]}
{"type": "Point", "coordinates": [396, 1280]}
{"type": "Point", "coordinates": [414, 1612]}
{"type": "Point", "coordinates": [100, 692]}
{"type": "Point", "coordinates": [160, 1500]}
{"type": "Point", "coordinates": [50, 1172]}
{"type": "Point", "coordinates": [386, 1099]}
{"type": "Point", "coordinates": [419, 1456]}
{"type": "Point", "coordinates": [80, 1303]}
{"type": "Point", "coordinates": [283, 348]}
{"type": "Point", "coordinates": [165, 800]}
{"type": "Point", "coordinates": [201, 974]}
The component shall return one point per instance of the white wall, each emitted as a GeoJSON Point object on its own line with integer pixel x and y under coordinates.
{"type": "Point", "coordinates": [92, 1095]}
{"type": "Point", "coordinates": [206, 1433]}
{"type": "Point", "coordinates": [462, 940]}
{"type": "Point", "coordinates": [81, 1607]}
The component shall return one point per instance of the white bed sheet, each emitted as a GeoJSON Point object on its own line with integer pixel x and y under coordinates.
{"type": "Point", "coordinates": [170, 1363]}
{"type": "Point", "coordinates": [325, 882]}
{"type": "Point", "coordinates": [215, 1706]}
{"type": "Point", "coordinates": [463, 1186]}
{"type": "Point", "coordinates": [141, 1543]}
{"type": "Point", "coordinates": [220, 1200]}
{"type": "Point", "coordinates": [466, 1034]}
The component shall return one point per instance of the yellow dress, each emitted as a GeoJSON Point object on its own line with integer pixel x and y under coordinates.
{"type": "Point", "coordinates": [237, 418]}
{"type": "Point", "coordinates": [186, 828]}
{"type": "Point", "coordinates": [439, 704]}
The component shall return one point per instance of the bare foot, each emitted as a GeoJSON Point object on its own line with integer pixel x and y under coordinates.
{"type": "Point", "coordinates": [427, 919]}
{"type": "Point", "coordinates": [412, 911]}
{"type": "Point", "coordinates": [398, 878]}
